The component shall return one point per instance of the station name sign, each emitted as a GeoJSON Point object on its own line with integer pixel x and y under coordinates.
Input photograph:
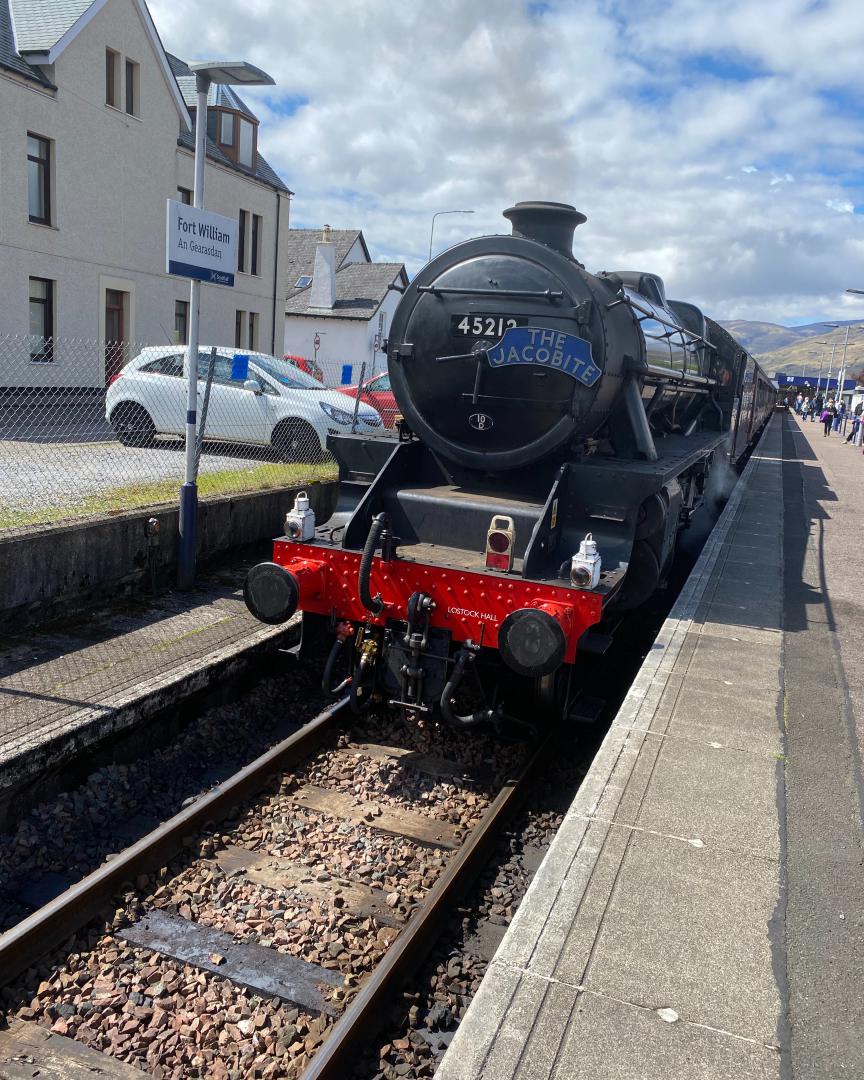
{"type": "Point", "coordinates": [200, 244]}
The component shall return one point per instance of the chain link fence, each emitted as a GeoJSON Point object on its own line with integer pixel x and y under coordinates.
{"type": "Point", "coordinates": [90, 428]}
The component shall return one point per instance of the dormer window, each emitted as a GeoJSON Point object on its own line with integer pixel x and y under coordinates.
{"type": "Point", "coordinates": [246, 151]}
{"type": "Point", "coordinates": [234, 133]}
{"type": "Point", "coordinates": [303, 281]}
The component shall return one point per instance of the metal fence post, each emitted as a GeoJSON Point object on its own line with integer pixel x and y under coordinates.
{"type": "Point", "coordinates": [357, 398]}
{"type": "Point", "coordinates": [202, 424]}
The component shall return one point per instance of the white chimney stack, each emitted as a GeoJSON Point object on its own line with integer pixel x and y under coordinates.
{"type": "Point", "coordinates": [323, 291]}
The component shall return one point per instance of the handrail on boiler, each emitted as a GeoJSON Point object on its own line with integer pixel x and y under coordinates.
{"type": "Point", "coordinates": [676, 328]}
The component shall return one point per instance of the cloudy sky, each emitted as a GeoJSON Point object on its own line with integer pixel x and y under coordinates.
{"type": "Point", "coordinates": [719, 144]}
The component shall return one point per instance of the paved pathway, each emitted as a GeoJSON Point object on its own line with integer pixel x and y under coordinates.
{"type": "Point", "coordinates": [68, 685]}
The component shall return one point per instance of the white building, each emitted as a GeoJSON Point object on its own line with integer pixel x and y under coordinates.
{"type": "Point", "coordinates": [96, 131]}
{"type": "Point", "coordinates": [339, 302]}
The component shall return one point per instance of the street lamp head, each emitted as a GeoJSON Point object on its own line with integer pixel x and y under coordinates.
{"type": "Point", "coordinates": [858, 292]}
{"type": "Point", "coordinates": [437, 214]}
{"type": "Point", "coordinates": [231, 73]}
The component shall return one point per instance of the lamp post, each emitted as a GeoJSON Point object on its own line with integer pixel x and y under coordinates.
{"type": "Point", "coordinates": [832, 326]}
{"type": "Point", "coordinates": [231, 73]}
{"type": "Point", "coordinates": [437, 214]}
{"type": "Point", "coordinates": [822, 363]}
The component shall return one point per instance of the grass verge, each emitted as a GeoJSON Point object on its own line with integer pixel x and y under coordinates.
{"type": "Point", "coordinates": [166, 493]}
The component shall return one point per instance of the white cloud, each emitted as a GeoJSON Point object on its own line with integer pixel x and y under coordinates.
{"type": "Point", "coordinates": [714, 145]}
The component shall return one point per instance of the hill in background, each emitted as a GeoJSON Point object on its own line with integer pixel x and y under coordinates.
{"type": "Point", "coordinates": [796, 350]}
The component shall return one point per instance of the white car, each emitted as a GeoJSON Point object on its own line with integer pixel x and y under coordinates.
{"type": "Point", "coordinates": [254, 398]}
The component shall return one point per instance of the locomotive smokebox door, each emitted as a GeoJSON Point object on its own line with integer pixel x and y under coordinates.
{"type": "Point", "coordinates": [508, 347]}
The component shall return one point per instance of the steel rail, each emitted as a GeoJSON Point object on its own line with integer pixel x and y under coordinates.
{"type": "Point", "coordinates": [338, 1054]}
{"type": "Point", "coordinates": [60, 918]}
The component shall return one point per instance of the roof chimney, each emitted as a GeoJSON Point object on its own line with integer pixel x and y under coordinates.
{"type": "Point", "coordinates": [323, 291]}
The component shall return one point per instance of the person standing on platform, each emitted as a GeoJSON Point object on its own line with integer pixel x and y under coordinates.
{"type": "Point", "coordinates": [805, 408]}
{"type": "Point", "coordinates": [799, 402]}
{"type": "Point", "coordinates": [818, 401]}
{"type": "Point", "coordinates": [840, 416]}
{"type": "Point", "coordinates": [827, 418]}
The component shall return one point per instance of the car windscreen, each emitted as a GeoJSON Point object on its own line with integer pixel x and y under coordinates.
{"type": "Point", "coordinates": [285, 373]}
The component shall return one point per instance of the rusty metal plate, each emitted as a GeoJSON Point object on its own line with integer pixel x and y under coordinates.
{"type": "Point", "coordinates": [264, 971]}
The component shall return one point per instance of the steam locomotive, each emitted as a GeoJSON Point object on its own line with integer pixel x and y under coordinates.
{"type": "Point", "coordinates": [558, 430]}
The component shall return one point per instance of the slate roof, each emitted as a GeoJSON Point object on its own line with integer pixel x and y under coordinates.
{"type": "Point", "coordinates": [219, 96]}
{"type": "Point", "coordinates": [360, 289]}
{"type": "Point", "coordinates": [263, 170]}
{"type": "Point", "coordinates": [39, 24]}
{"type": "Point", "coordinates": [10, 58]}
{"type": "Point", "coordinates": [300, 253]}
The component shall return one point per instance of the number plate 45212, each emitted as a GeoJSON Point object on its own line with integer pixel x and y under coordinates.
{"type": "Point", "coordinates": [484, 326]}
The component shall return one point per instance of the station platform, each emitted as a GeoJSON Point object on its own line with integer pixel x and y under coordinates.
{"type": "Point", "coordinates": [66, 687]}
{"type": "Point", "coordinates": [700, 913]}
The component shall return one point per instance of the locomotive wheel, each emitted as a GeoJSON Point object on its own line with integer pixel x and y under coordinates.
{"type": "Point", "coordinates": [652, 516]}
{"type": "Point", "coordinates": [643, 577]}
{"type": "Point", "coordinates": [550, 693]}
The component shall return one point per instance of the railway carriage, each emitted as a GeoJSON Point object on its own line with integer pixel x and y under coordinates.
{"type": "Point", "coordinates": [558, 430]}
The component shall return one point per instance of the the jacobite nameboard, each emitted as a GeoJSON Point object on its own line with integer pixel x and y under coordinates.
{"type": "Point", "coordinates": [537, 346]}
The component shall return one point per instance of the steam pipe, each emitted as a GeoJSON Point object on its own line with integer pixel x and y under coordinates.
{"type": "Point", "coordinates": [638, 419]}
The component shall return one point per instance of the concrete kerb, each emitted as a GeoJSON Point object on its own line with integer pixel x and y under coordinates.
{"type": "Point", "coordinates": [577, 846]}
{"type": "Point", "coordinates": [60, 571]}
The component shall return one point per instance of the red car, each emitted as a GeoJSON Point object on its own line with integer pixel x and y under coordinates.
{"type": "Point", "coordinates": [377, 393]}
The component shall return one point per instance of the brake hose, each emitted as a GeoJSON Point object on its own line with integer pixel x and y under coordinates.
{"type": "Point", "coordinates": [372, 603]}
{"type": "Point", "coordinates": [463, 658]}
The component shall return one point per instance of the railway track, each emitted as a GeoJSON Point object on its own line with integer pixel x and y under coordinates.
{"type": "Point", "coordinates": [257, 932]}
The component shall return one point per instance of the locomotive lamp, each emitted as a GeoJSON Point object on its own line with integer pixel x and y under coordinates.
{"type": "Point", "coordinates": [585, 565]}
{"type": "Point", "coordinates": [499, 544]}
{"type": "Point", "coordinates": [300, 519]}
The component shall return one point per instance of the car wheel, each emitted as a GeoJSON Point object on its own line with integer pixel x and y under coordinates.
{"type": "Point", "coordinates": [295, 440]}
{"type": "Point", "coordinates": [133, 425]}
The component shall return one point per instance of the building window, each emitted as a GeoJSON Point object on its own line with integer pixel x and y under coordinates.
{"type": "Point", "coordinates": [112, 78]}
{"type": "Point", "coordinates": [41, 320]}
{"type": "Point", "coordinates": [253, 330]}
{"type": "Point", "coordinates": [184, 195]}
{"type": "Point", "coordinates": [226, 129]}
{"type": "Point", "coordinates": [303, 281]}
{"type": "Point", "coordinates": [132, 87]}
{"type": "Point", "coordinates": [181, 322]}
{"type": "Point", "coordinates": [241, 241]}
{"type": "Point", "coordinates": [39, 179]}
{"type": "Point", "coordinates": [246, 150]}
{"type": "Point", "coordinates": [255, 257]}
{"type": "Point", "coordinates": [239, 320]}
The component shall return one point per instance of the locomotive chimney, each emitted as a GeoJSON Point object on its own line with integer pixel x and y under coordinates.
{"type": "Point", "coordinates": [549, 223]}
